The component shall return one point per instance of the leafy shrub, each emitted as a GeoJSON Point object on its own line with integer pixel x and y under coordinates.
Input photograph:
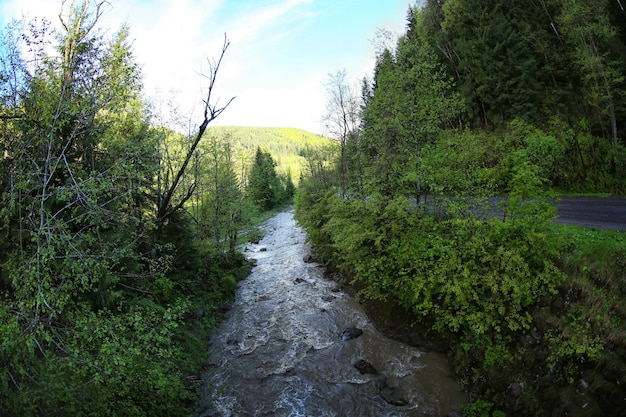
{"type": "Point", "coordinates": [229, 283]}
{"type": "Point", "coordinates": [481, 408]}
{"type": "Point", "coordinates": [124, 364]}
{"type": "Point", "coordinates": [470, 277]}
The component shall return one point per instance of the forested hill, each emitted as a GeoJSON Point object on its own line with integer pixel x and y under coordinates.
{"type": "Point", "coordinates": [286, 145]}
{"type": "Point", "coordinates": [502, 83]}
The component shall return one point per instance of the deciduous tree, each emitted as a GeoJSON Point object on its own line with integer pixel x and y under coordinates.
{"type": "Point", "coordinates": [342, 118]}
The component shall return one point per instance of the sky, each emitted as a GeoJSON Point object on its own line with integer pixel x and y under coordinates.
{"type": "Point", "coordinates": [279, 59]}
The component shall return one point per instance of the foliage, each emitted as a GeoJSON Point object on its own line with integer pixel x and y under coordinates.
{"type": "Point", "coordinates": [342, 120]}
{"type": "Point", "coordinates": [470, 277]}
{"type": "Point", "coordinates": [546, 64]}
{"type": "Point", "coordinates": [219, 204]}
{"type": "Point", "coordinates": [131, 352]}
{"type": "Point", "coordinates": [593, 319]}
{"type": "Point", "coordinates": [464, 163]}
{"type": "Point", "coordinates": [288, 147]}
{"type": "Point", "coordinates": [264, 187]}
{"type": "Point", "coordinates": [481, 110]}
{"type": "Point", "coordinates": [106, 295]}
{"type": "Point", "coordinates": [496, 287]}
{"type": "Point", "coordinates": [481, 408]}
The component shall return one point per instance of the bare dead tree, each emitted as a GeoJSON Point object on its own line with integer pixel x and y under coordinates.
{"type": "Point", "coordinates": [166, 206]}
{"type": "Point", "coordinates": [342, 116]}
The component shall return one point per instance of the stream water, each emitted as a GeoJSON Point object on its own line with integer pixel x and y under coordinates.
{"type": "Point", "coordinates": [280, 350]}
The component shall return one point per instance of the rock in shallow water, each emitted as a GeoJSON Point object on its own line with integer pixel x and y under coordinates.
{"type": "Point", "coordinates": [350, 333]}
{"type": "Point", "coordinates": [365, 367]}
{"type": "Point", "coordinates": [388, 393]}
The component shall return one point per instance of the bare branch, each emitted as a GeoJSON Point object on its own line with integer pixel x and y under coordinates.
{"type": "Point", "coordinates": [211, 112]}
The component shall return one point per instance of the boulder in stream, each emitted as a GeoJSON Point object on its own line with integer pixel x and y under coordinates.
{"type": "Point", "coordinates": [388, 393]}
{"type": "Point", "coordinates": [365, 367]}
{"type": "Point", "coordinates": [350, 333]}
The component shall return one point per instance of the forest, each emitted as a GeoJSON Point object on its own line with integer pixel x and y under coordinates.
{"type": "Point", "coordinates": [118, 234]}
{"type": "Point", "coordinates": [288, 146]}
{"type": "Point", "coordinates": [483, 102]}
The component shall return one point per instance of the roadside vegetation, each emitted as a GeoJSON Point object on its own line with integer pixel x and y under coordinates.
{"type": "Point", "coordinates": [467, 106]}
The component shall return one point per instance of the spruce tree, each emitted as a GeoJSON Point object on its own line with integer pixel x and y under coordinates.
{"type": "Point", "coordinates": [264, 187]}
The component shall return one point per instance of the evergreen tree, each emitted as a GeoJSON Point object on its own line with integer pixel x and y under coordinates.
{"type": "Point", "coordinates": [587, 30]}
{"type": "Point", "coordinates": [290, 188]}
{"type": "Point", "coordinates": [78, 164]}
{"type": "Point", "coordinates": [384, 138]}
{"type": "Point", "coordinates": [81, 287]}
{"type": "Point", "coordinates": [495, 67]}
{"type": "Point", "coordinates": [411, 102]}
{"type": "Point", "coordinates": [264, 187]}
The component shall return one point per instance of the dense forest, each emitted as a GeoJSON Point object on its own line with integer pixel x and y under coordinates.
{"type": "Point", "coordinates": [288, 146]}
{"type": "Point", "coordinates": [118, 235]}
{"type": "Point", "coordinates": [478, 99]}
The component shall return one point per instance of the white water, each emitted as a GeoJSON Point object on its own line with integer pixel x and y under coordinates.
{"type": "Point", "coordinates": [279, 352]}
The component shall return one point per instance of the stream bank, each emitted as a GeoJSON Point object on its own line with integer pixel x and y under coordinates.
{"type": "Point", "coordinates": [296, 344]}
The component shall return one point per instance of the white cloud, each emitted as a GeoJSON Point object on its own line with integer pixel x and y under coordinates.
{"type": "Point", "coordinates": [175, 56]}
{"type": "Point", "coordinates": [301, 104]}
{"type": "Point", "coordinates": [249, 26]}
{"type": "Point", "coordinates": [277, 74]}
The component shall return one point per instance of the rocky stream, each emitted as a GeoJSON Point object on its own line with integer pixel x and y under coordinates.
{"type": "Point", "coordinates": [295, 344]}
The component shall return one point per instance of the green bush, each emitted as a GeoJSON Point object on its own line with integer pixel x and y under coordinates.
{"type": "Point", "coordinates": [97, 364]}
{"type": "Point", "coordinates": [481, 408]}
{"type": "Point", "coordinates": [468, 276]}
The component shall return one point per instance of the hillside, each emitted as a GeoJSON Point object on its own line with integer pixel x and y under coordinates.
{"type": "Point", "coordinates": [286, 145]}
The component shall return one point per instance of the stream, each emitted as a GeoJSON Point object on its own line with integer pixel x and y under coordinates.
{"type": "Point", "coordinates": [283, 348]}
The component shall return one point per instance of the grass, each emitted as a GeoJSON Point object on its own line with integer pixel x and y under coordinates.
{"type": "Point", "coordinates": [590, 245]}
{"type": "Point", "coordinates": [595, 261]}
{"type": "Point", "coordinates": [573, 194]}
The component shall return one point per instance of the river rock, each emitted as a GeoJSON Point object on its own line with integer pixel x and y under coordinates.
{"type": "Point", "coordinates": [308, 258]}
{"type": "Point", "coordinates": [365, 367]}
{"type": "Point", "coordinates": [389, 393]}
{"type": "Point", "coordinates": [350, 333]}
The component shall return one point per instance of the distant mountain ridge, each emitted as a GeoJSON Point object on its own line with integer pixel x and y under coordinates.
{"type": "Point", "coordinates": [286, 145]}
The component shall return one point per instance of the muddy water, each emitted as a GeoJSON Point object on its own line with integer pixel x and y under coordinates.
{"type": "Point", "coordinates": [280, 350]}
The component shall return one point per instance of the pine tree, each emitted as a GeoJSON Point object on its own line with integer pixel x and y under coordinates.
{"type": "Point", "coordinates": [264, 187]}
